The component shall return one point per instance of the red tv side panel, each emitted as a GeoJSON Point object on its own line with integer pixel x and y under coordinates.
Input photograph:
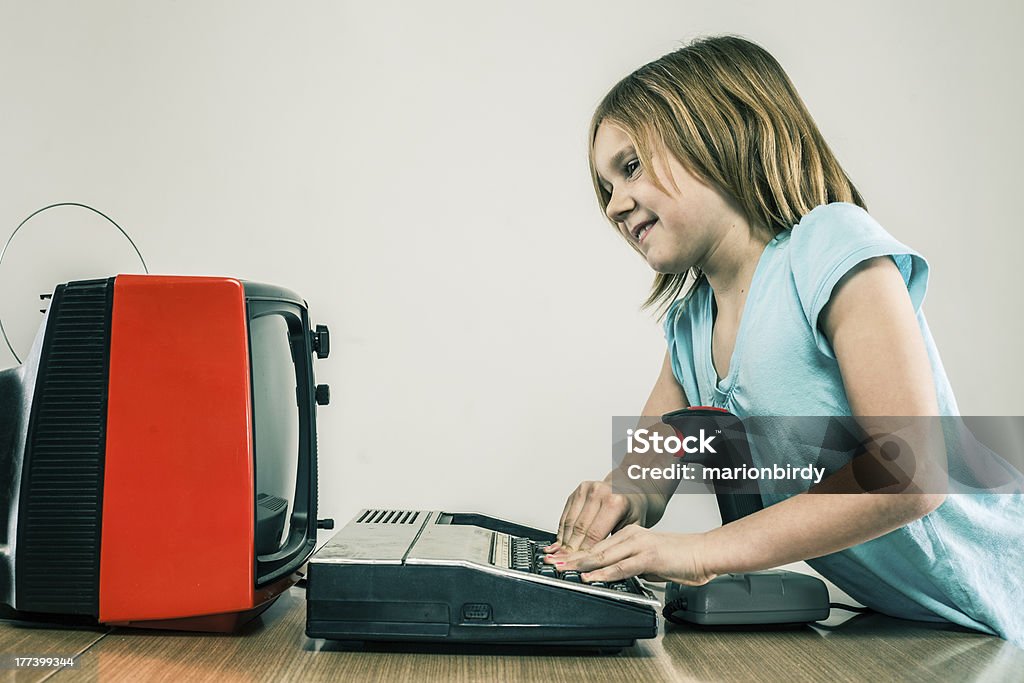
{"type": "Point", "coordinates": [177, 528]}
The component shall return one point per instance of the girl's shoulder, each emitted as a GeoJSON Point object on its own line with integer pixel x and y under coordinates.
{"type": "Point", "coordinates": [836, 226]}
{"type": "Point", "coordinates": [832, 239]}
{"type": "Point", "coordinates": [831, 235]}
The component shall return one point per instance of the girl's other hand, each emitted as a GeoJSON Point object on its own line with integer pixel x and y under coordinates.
{"type": "Point", "coordinates": [636, 551]}
{"type": "Point", "coordinates": [592, 512]}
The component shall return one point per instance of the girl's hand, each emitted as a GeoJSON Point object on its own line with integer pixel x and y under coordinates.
{"type": "Point", "coordinates": [635, 551]}
{"type": "Point", "coordinates": [592, 512]}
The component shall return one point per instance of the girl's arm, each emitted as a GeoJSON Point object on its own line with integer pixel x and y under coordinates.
{"type": "Point", "coordinates": [666, 397]}
{"type": "Point", "coordinates": [886, 371]}
{"type": "Point", "coordinates": [595, 508]}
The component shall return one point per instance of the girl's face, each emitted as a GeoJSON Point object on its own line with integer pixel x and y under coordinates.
{"type": "Point", "coordinates": [674, 229]}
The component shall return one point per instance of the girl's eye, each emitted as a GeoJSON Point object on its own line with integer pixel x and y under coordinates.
{"type": "Point", "coordinates": [631, 168]}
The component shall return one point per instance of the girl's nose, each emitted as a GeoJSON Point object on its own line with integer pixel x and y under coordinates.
{"type": "Point", "coordinates": [619, 206]}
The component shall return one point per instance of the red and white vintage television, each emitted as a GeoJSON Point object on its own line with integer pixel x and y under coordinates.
{"type": "Point", "coordinates": [158, 453]}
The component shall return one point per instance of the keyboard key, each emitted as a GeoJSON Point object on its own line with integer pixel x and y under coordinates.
{"type": "Point", "coordinates": [572, 575]}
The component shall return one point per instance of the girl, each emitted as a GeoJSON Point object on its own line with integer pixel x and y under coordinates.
{"type": "Point", "coordinates": [708, 163]}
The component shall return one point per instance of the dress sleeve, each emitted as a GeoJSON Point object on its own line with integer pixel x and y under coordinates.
{"type": "Point", "coordinates": [828, 242]}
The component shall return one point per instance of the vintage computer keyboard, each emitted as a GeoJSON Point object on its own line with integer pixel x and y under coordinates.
{"type": "Point", "coordinates": [405, 575]}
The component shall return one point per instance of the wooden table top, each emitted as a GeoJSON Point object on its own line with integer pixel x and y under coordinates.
{"type": "Point", "coordinates": [275, 648]}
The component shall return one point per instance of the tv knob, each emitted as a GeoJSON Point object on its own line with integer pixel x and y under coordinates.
{"type": "Point", "coordinates": [323, 394]}
{"type": "Point", "coordinates": [322, 341]}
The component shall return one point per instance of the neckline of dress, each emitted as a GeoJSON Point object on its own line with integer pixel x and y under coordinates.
{"type": "Point", "coordinates": [724, 386]}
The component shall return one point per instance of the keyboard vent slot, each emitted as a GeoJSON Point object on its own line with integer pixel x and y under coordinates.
{"type": "Point", "coordinates": [388, 517]}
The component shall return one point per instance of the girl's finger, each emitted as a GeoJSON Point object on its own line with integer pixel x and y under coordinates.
{"type": "Point", "coordinates": [622, 536]}
{"type": "Point", "coordinates": [569, 513]}
{"type": "Point", "coordinates": [580, 535]}
{"type": "Point", "coordinates": [604, 523]}
{"type": "Point", "coordinates": [623, 569]}
{"type": "Point", "coordinates": [601, 555]}
{"type": "Point", "coordinates": [569, 559]}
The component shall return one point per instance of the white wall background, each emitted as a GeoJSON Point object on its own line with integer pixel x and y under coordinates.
{"type": "Point", "coordinates": [418, 172]}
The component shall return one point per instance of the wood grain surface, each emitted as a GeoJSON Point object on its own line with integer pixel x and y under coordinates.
{"type": "Point", "coordinates": [22, 640]}
{"type": "Point", "coordinates": [275, 648]}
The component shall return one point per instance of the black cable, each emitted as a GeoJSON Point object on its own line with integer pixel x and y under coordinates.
{"type": "Point", "coordinates": [677, 605]}
{"type": "Point", "coordinates": [850, 608]}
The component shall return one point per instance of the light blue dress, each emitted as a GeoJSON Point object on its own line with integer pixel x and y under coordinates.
{"type": "Point", "coordinates": [961, 563]}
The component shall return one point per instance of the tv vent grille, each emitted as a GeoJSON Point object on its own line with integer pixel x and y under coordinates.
{"type": "Point", "coordinates": [388, 517]}
{"type": "Point", "coordinates": [57, 564]}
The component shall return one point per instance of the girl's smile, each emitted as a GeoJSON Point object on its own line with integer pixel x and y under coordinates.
{"type": "Point", "coordinates": [640, 231]}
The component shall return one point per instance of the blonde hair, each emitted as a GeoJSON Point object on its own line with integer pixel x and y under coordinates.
{"type": "Point", "coordinates": [727, 111]}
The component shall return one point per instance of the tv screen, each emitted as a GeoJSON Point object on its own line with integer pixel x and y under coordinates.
{"type": "Point", "coordinates": [283, 394]}
{"type": "Point", "coordinates": [276, 409]}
